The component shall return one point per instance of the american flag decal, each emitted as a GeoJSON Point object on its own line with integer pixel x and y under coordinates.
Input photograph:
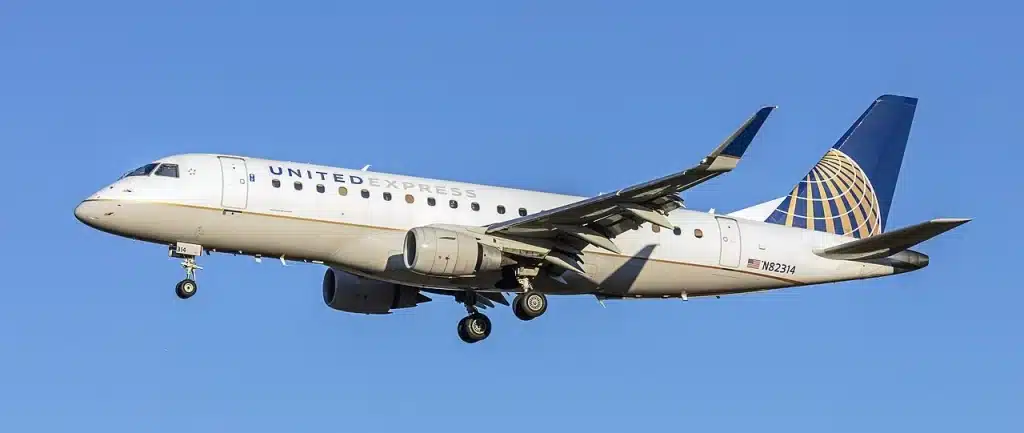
{"type": "Point", "coordinates": [753, 263]}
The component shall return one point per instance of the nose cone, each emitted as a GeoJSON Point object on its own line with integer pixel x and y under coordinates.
{"type": "Point", "coordinates": [97, 214]}
{"type": "Point", "coordinates": [86, 212]}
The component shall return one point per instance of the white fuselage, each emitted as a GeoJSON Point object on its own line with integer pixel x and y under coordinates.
{"type": "Point", "coordinates": [319, 214]}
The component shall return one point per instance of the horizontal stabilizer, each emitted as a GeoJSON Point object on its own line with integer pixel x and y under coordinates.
{"type": "Point", "coordinates": [889, 243]}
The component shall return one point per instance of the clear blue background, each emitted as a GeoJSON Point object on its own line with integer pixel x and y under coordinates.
{"type": "Point", "coordinates": [576, 97]}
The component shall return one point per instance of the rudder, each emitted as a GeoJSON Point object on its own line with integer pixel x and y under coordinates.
{"type": "Point", "coordinates": [849, 191]}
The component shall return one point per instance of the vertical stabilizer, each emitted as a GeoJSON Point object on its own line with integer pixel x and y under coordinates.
{"type": "Point", "coordinates": [849, 191]}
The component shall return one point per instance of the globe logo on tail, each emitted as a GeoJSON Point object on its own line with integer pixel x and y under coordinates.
{"type": "Point", "coordinates": [835, 197]}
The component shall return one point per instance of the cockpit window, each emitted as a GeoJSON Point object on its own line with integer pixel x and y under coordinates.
{"type": "Point", "coordinates": [142, 171]}
{"type": "Point", "coordinates": [167, 170]}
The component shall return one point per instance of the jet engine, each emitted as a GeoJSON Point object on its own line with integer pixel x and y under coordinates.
{"type": "Point", "coordinates": [347, 292]}
{"type": "Point", "coordinates": [445, 253]}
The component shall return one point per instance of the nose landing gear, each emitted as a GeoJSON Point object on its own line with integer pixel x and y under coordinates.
{"type": "Point", "coordinates": [188, 253]}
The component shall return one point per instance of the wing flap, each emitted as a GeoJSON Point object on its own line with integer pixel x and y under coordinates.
{"type": "Point", "coordinates": [647, 215]}
{"type": "Point", "coordinates": [590, 236]}
{"type": "Point", "coordinates": [889, 243]}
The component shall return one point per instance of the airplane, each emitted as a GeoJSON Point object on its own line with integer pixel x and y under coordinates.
{"type": "Point", "coordinates": [388, 240]}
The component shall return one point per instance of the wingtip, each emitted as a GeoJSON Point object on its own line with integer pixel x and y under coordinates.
{"type": "Point", "coordinates": [736, 145]}
{"type": "Point", "coordinates": [765, 110]}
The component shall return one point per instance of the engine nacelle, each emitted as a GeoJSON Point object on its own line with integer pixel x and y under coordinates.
{"type": "Point", "coordinates": [347, 292]}
{"type": "Point", "coordinates": [439, 252]}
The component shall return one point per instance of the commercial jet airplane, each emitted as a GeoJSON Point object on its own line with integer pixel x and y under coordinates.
{"type": "Point", "coordinates": [389, 240]}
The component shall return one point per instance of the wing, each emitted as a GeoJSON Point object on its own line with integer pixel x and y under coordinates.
{"type": "Point", "coordinates": [599, 219]}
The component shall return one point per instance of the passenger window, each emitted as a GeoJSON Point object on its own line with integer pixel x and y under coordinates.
{"type": "Point", "coordinates": [431, 201]}
{"type": "Point", "coordinates": [276, 183]}
{"type": "Point", "coordinates": [298, 186]}
{"type": "Point", "coordinates": [474, 206]}
{"type": "Point", "coordinates": [342, 191]}
{"type": "Point", "coordinates": [387, 196]}
{"type": "Point", "coordinates": [167, 170]}
{"type": "Point", "coordinates": [522, 211]}
{"type": "Point", "coordinates": [365, 193]}
{"type": "Point", "coordinates": [453, 204]}
{"type": "Point", "coordinates": [320, 189]}
{"type": "Point", "coordinates": [655, 228]}
{"type": "Point", "coordinates": [409, 198]}
{"type": "Point", "coordinates": [501, 210]}
{"type": "Point", "coordinates": [677, 231]}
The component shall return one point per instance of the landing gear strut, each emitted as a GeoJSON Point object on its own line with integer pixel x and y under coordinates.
{"type": "Point", "coordinates": [476, 326]}
{"type": "Point", "coordinates": [188, 253]}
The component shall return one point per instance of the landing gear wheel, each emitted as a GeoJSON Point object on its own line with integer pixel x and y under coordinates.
{"type": "Point", "coordinates": [474, 327]}
{"type": "Point", "coordinates": [529, 305]}
{"type": "Point", "coordinates": [186, 288]}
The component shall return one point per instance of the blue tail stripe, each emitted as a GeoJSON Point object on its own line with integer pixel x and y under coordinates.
{"type": "Point", "coordinates": [801, 204]}
{"type": "Point", "coordinates": [834, 208]}
{"type": "Point", "coordinates": [877, 143]}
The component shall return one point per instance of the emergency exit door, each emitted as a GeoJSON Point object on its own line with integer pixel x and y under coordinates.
{"type": "Point", "coordinates": [729, 234]}
{"type": "Point", "coordinates": [235, 192]}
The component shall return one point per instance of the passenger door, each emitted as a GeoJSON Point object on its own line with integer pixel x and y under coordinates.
{"type": "Point", "coordinates": [729, 232]}
{"type": "Point", "coordinates": [235, 185]}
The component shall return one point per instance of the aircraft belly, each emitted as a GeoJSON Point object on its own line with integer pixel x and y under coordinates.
{"type": "Point", "coordinates": [621, 276]}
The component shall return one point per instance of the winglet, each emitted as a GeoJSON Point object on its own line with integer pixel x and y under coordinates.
{"type": "Point", "coordinates": [889, 243]}
{"type": "Point", "coordinates": [727, 155]}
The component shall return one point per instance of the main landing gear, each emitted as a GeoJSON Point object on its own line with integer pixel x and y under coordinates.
{"type": "Point", "coordinates": [476, 326]}
{"type": "Point", "coordinates": [529, 305]}
{"type": "Point", "coordinates": [188, 253]}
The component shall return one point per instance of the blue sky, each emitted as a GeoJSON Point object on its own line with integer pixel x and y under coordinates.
{"type": "Point", "coordinates": [576, 97]}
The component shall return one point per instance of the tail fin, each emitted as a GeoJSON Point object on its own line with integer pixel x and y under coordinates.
{"type": "Point", "coordinates": [850, 190]}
